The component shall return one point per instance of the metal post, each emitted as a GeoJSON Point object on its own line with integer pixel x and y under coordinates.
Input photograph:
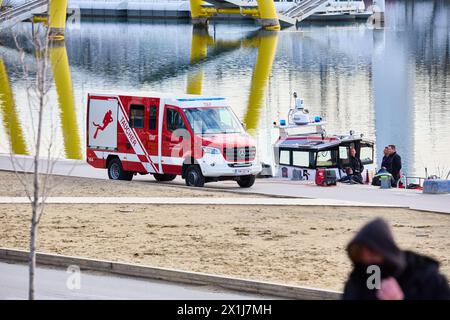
{"type": "Point", "coordinates": [197, 15]}
{"type": "Point", "coordinates": [57, 12]}
{"type": "Point", "coordinates": [268, 15]}
{"type": "Point", "coordinates": [378, 11]}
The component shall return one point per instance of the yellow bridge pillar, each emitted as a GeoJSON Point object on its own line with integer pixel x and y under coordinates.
{"type": "Point", "coordinates": [66, 99]}
{"type": "Point", "coordinates": [57, 12]}
{"type": "Point", "coordinates": [11, 121]}
{"type": "Point", "coordinates": [263, 67]}
{"type": "Point", "coordinates": [268, 15]}
{"type": "Point", "coordinates": [198, 15]}
{"type": "Point", "coordinates": [199, 51]}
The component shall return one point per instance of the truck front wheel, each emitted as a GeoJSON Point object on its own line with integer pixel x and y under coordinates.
{"type": "Point", "coordinates": [116, 172]}
{"type": "Point", "coordinates": [246, 181]}
{"type": "Point", "coordinates": [194, 176]}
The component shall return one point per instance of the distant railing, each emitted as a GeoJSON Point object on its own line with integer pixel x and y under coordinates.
{"type": "Point", "coordinates": [21, 9]}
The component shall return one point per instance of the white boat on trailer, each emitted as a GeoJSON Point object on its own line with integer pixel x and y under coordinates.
{"type": "Point", "coordinates": [304, 146]}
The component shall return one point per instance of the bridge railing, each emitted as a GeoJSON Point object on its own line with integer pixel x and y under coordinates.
{"type": "Point", "coordinates": [21, 9]}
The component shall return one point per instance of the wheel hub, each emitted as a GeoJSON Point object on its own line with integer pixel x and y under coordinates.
{"type": "Point", "coordinates": [115, 171]}
{"type": "Point", "coordinates": [193, 177]}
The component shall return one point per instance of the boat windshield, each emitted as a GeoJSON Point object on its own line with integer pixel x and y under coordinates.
{"type": "Point", "coordinates": [213, 120]}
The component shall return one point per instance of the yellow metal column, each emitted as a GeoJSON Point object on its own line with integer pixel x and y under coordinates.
{"type": "Point", "coordinates": [268, 15]}
{"type": "Point", "coordinates": [11, 121]}
{"type": "Point", "coordinates": [261, 73]}
{"type": "Point", "coordinates": [57, 12]}
{"type": "Point", "coordinates": [198, 15]}
{"type": "Point", "coordinates": [199, 51]}
{"type": "Point", "coordinates": [66, 99]}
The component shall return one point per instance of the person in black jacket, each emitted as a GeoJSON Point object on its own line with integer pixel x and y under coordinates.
{"type": "Point", "coordinates": [354, 172]}
{"type": "Point", "coordinates": [386, 168]}
{"type": "Point", "coordinates": [386, 162]}
{"type": "Point", "coordinates": [357, 166]}
{"type": "Point", "coordinates": [396, 164]}
{"type": "Point", "coordinates": [402, 274]}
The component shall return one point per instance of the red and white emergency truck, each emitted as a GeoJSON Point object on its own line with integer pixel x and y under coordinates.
{"type": "Point", "coordinates": [197, 137]}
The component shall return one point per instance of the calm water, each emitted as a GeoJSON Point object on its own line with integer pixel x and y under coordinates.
{"type": "Point", "coordinates": [392, 84]}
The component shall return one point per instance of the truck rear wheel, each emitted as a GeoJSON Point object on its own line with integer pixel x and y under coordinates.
{"type": "Point", "coordinates": [246, 181]}
{"type": "Point", "coordinates": [194, 176]}
{"type": "Point", "coordinates": [116, 172]}
{"type": "Point", "coordinates": [164, 177]}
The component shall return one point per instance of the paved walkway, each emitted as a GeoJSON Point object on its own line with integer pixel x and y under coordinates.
{"type": "Point", "coordinates": [51, 283]}
{"type": "Point", "coordinates": [413, 199]}
{"type": "Point", "coordinates": [197, 201]}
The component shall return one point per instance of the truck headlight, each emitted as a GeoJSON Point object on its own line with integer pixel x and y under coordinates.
{"type": "Point", "coordinates": [211, 150]}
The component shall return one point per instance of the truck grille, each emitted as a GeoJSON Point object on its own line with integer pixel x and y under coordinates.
{"type": "Point", "coordinates": [240, 154]}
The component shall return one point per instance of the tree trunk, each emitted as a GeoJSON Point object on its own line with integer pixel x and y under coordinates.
{"type": "Point", "coordinates": [32, 254]}
{"type": "Point", "coordinates": [35, 205]}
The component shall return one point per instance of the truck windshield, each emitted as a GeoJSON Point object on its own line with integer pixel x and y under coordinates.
{"type": "Point", "coordinates": [213, 120]}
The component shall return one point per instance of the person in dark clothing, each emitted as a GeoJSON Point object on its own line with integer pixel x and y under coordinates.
{"type": "Point", "coordinates": [386, 162]}
{"type": "Point", "coordinates": [396, 164]}
{"type": "Point", "coordinates": [349, 177]}
{"type": "Point", "coordinates": [354, 172]}
{"type": "Point", "coordinates": [403, 274]}
{"type": "Point", "coordinates": [356, 163]}
{"type": "Point", "coordinates": [386, 165]}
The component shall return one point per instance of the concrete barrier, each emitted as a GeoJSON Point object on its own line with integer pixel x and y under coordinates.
{"type": "Point", "coordinates": [436, 186]}
{"type": "Point", "coordinates": [171, 275]}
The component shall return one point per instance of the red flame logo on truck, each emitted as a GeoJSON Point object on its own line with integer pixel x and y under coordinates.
{"type": "Point", "coordinates": [107, 119]}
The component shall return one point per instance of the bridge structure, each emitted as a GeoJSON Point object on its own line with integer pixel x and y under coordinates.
{"type": "Point", "coordinates": [53, 12]}
{"type": "Point", "coordinates": [263, 11]}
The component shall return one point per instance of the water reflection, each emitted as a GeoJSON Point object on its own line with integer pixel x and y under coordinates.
{"type": "Point", "coordinates": [393, 84]}
{"type": "Point", "coordinates": [266, 53]}
{"type": "Point", "coordinates": [12, 119]}
{"type": "Point", "coordinates": [66, 99]}
{"type": "Point", "coordinates": [199, 51]}
{"type": "Point", "coordinates": [11, 122]}
{"type": "Point", "coordinates": [264, 41]}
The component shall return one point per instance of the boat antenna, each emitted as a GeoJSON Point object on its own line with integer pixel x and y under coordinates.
{"type": "Point", "coordinates": [295, 97]}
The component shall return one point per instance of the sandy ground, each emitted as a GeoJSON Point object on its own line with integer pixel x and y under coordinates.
{"type": "Point", "coordinates": [295, 245]}
{"type": "Point", "coordinates": [73, 187]}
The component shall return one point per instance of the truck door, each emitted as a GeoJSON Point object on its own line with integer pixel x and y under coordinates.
{"type": "Point", "coordinates": [137, 116]}
{"type": "Point", "coordinates": [174, 139]}
{"type": "Point", "coordinates": [152, 144]}
{"type": "Point", "coordinates": [137, 121]}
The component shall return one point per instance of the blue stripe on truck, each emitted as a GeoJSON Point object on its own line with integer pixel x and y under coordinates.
{"type": "Point", "coordinates": [200, 99]}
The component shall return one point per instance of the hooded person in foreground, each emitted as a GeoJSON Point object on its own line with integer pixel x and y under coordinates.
{"type": "Point", "coordinates": [403, 274]}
